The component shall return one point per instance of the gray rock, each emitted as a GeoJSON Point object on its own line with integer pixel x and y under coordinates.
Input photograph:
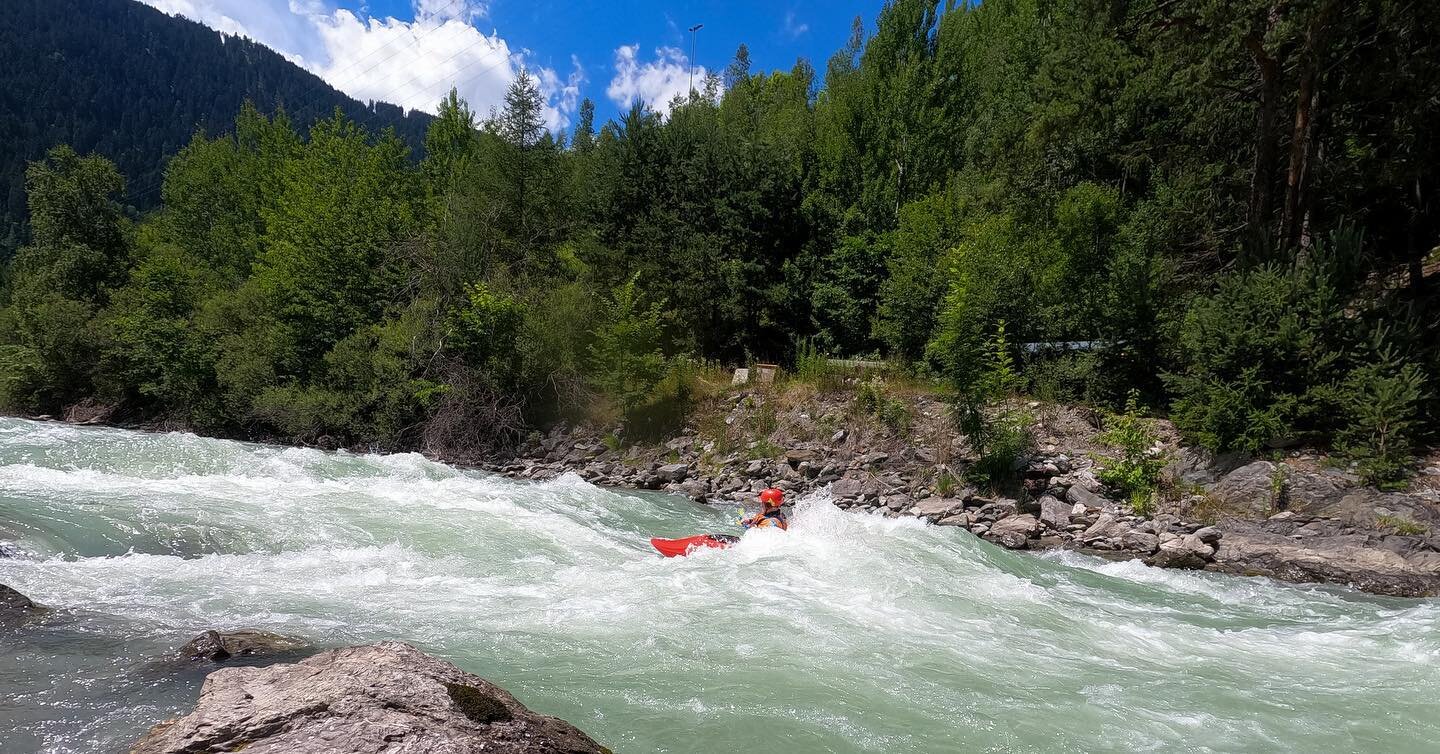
{"type": "Point", "coordinates": [936, 507]}
{"type": "Point", "coordinates": [219, 646]}
{"type": "Point", "coordinates": [1249, 489]}
{"type": "Point", "coordinates": [1140, 541]}
{"type": "Point", "coordinates": [994, 510]}
{"type": "Point", "coordinates": [387, 697]}
{"type": "Point", "coordinates": [795, 457]}
{"type": "Point", "coordinates": [1024, 524]}
{"type": "Point", "coordinates": [673, 472]}
{"type": "Point", "coordinates": [1078, 494]}
{"type": "Point", "coordinates": [16, 605]}
{"type": "Point", "coordinates": [1182, 552]}
{"type": "Point", "coordinates": [1338, 560]}
{"type": "Point", "coordinates": [1209, 535]}
{"type": "Point", "coordinates": [1107, 526]}
{"type": "Point", "coordinates": [1010, 540]}
{"type": "Point", "coordinates": [957, 519]}
{"type": "Point", "coordinates": [846, 489]}
{"type": "Point", "coordinates": [1055, 513]}
{"type": "Point", "coordinates": [695, 488]}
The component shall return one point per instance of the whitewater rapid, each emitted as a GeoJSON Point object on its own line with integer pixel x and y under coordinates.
{"type": "Point", "coordinates": [850, 633]}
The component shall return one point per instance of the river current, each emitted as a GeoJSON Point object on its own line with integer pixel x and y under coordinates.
{"type": "Point", "coordinates": [850, 633]}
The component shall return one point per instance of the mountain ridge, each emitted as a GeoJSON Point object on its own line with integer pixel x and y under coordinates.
{"type": "Point", "coordinates": [132, 83]}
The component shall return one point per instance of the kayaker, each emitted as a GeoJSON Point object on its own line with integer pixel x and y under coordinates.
{"type": "Point", "coordinates": [770, 514]}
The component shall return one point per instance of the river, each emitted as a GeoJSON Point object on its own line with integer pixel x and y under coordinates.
{"type": "Point", "coordinates": [850, 633]}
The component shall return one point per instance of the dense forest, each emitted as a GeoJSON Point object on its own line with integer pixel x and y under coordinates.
{"type": "Point", "coordinates": [1220, 210]}
{"type": "Point", "coordinates": [128, 82]}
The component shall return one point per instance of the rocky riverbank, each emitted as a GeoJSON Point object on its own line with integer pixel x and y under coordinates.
{"type": "Point", "coordinates": [1294, 519]}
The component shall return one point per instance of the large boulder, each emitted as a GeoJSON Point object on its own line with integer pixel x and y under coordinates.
{"type": "Point", "coordinates": [1252, 490]}
{"type": "Point", "coordinates": [1350, 560]}
{"type": "Point", "coordinates": [388, 697]}
{"type": "Point", "coordinates": [217, 646]}
{"type": "Point", "coordinates": [1139, 541]}
{"type": "Point", "coordinates": [1010, 540]}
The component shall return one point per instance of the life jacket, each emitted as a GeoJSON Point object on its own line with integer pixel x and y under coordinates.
{"type": "Point", "coordinates": [775, 518]}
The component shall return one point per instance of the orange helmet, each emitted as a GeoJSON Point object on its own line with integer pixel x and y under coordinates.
{"type": "Point", "coordinates": [773, 496]}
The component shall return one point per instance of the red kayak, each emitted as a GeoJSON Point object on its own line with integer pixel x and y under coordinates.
{"type": "Point", "coordinates": [684, 546]}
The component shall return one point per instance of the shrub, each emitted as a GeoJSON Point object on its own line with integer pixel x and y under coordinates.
{"type": "Point", "coordinates": [664, 410]}
{"type": "Point", "coordinates": [484, 331]}
{"type": "Point", "coordinates": [1257, 354]}
{"type": "Point", "coordinates": [1001, 379]}
{"type": "Point", "coordinates": [999, 441]}
{"type": "Point", "coordinates": [626, 362]}
{"type": "Point", "coordinates": [944, 483]}
{"type": "Point", "coordinates": [1383, 403]}
{"type": "Point", "coordinates": [556, 340]}
{"type": "Point", "coordinates": [1136, 474]}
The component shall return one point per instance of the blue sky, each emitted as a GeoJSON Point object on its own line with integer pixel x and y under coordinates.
{"type": "Point", "coordinates": [412, 51]}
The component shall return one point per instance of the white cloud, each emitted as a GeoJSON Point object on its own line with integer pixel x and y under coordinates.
{"type": "Point", "coordinates": [654, 82]}
{"type": "Point", "coordinates": [408, 63]}
{"type": "Point", "coordinates": [793, 27]}
{"type": "Point", "coordinates": [462, 10]}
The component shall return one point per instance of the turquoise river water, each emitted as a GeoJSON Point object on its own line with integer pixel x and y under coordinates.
{"type": "Point", "coordinates": [850, 633]}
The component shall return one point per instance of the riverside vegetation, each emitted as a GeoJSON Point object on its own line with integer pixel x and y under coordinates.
{"type": "Point", "coordinates": [1223, 212]}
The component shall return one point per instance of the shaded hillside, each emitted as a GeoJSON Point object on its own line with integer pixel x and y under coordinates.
{"type": "Point", "coordinates": [133, 84]}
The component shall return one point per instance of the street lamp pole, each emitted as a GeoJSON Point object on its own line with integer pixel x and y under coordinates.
{"type": "Point", "coordinates": [693, 29]}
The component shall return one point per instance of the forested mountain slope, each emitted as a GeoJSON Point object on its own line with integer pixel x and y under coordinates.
{"type": "Point", "coordinates": [1234, 205]}
{"type": "Point", "coordinates": [133, 84]}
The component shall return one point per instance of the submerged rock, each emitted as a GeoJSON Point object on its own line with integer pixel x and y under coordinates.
{"type": "Point", "coordinates": [218, 646]}
{"type": "Point", "coordinates": [15, 604]}
{"type": "Point", "coordinates": [386, 697]}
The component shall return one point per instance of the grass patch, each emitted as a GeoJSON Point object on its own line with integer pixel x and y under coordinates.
{"type": "Point", "coordinates": [945, 483]}
{"type": "Point", "coordinates": [762, 449]}
{"type": "Point", "coordinates": [1400, 525]}
{"type": "Point", "coordinates": [872, 399]}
